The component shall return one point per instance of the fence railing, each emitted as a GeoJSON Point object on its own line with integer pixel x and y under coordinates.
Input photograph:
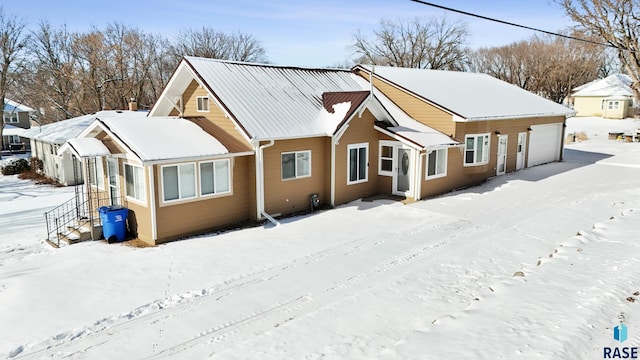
{"type": "Point", "coordinates": [66, 218]}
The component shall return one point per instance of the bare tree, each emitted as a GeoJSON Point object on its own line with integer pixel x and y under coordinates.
{"type": "Point", "coordinates": [548, 66]}
{"type": "Point", "coordinates": [206, 42]}
{"type": "Point", "coordinates": [417, 43]}
{"type": "Point", "coordinates": [13, 40]}
{"type": "Point", "coordinates": [616, 23]}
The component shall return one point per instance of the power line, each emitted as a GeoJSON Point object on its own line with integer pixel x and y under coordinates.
{"type": "Point", "coordinates": [514, 24]}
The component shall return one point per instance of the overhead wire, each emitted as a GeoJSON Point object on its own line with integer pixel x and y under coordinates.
{"type": "Point", "coordinates": [514, 24]}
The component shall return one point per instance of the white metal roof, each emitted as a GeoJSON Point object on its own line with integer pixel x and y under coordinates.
{"type": "Point", "coordinates": [471, 96]}
{"type": "Point", "coordinates": [163, 138]}
{"type": "Point", "coordinates": [274, 101]}
{"type": "Point", "coordinates": [9, 130]}
{"type": "Point", "coordinates": [612, 85]}
{"type": "Point", "coordinates": [61, 131]}
{"type": "Point", "coordinates": [10, 106]}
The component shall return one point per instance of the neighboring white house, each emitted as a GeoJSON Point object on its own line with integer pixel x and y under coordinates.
{"type": "Point", "coordinates": [46, 139]}
{"type": "Point", "coordinates": [610, 97]}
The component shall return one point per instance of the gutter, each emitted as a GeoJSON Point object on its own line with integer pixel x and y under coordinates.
{"type": "Point", "coordinates": [260, 211]}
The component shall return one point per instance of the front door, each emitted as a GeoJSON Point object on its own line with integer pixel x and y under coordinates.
{"type": "Point", "coordinates": [520, 155]}
{"type": "Point", "coordinates": [501, 167]}
{"type": "Point", "coordinates": [112, 173]}
{"type": "Point", "coordinates": [402, 176]}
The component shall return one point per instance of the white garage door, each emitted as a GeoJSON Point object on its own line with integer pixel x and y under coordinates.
{"type": "Point", "coordinates": [545, 142]}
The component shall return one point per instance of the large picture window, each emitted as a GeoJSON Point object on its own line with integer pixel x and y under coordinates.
{"type": "Point", "coordinates": [357, 163]}
{"type": "Point", "coordinates": [296, 164]}
{"type": "Point", "coordinates": [178, 182]}
{"type": "Point", "coordinates": [134, 179]}
{"type": "Point", "coordinates": [476, 149]}
{"type": "Point", "coordinates": [203, 103]}
{"type": "Point", "coordinates": [436, 164]}
{"type": "Point", "coordinates": [215, 177]}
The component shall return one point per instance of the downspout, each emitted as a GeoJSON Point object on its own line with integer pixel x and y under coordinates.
{"type": "Point", "coordinates": [421, 155]}
{"type": "Point", "coordinates": [335, 140]}
{"type": "Point", "coordinates": [260, 212]}
{"type": "Point", "coordinates": [152, 196]}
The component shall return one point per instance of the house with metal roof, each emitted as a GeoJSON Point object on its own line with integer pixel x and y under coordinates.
{"type": "Point", "coordinates": [611, 97]}
{"type": "Point", "coordinates": [228, 142]}
{"type": "Point", "coordinates": [502, 128]}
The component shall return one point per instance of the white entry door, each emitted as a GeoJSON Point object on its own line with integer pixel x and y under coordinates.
{"type": "Point", "coordinates": [113, 174]}
{"type": "Point", "coordinates": [520, 154]}
{"type": "Point", "coordinates": [501, 167]}
{"type": "Point", "coordinates": [403, 168]}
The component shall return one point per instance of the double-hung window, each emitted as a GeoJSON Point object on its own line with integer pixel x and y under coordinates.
{"type": "Point", "coordinates": [14, 139]}
{"type": "Point", "coordinates": [476, 149]}
{"type": "Point", "coordinates": [11, 117]}
{"type": "Point", "coordinates": [178, 182]}
{"type": "Point", "coordinates": [357, 163]}
{"type": "Point", "coordinates": [436, 164]}
{"type": "Point", "coordinates": [296, 164]}
{"type": "Point", "coordinates": [385, 164]}
{"type": "Point", "coordinates": [96, 172]}
{"type": "Point", "coordinates": [134, 179]}
{"type": "Point", "coordinates": [202, 103]}
{"type": "Point", "coordinates": [215, 177]}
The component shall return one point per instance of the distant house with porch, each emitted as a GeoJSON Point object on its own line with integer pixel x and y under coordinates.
{"type": "Point", "coordinates": [228, 142]}
{"type": "Point", "coordinates": [610, 98]}
{"type": "Point", "coordinates": [17, 119]}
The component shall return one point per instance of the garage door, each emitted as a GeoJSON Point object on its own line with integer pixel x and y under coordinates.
{"type": "Point", "coordinates": [545, 142]}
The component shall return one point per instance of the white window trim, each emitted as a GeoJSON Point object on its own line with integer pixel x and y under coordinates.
{"type": "Point", "coordinates": [97, 184]}
{"type": "Point", "coordinates": [12, 137]}
{"type": "Point", "coordinates": [366, 173]}
{"type": "Point", "coordinates": [143, 200]}
{"type": "Point", "coordinates": [393, 145]}
{"type": "Point", "coordinates": [208, 104]}
{"type": "Point", "coordinates": [179, 199]}
{"type": "Point", "coordinates": [296, 176]}
{"type": "Point", "coordinates": [215, 194]}
{"type": "Point", "coordinates": [426, 165]}
{"type": "Point", "coordinates": [8, 118]}
{"type": "Point", "coordinates": [486, 154]}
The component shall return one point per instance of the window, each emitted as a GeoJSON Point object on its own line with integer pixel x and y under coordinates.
{"type": "Point", "coordinates": [203, 103]}
{"type": "Point", "coordinates": [476, 149]}
{"type": "Point", "coordinates": [134, 179]}
{"type": "Point", "coordinates": [14, 139]}
{"type": "Point", "coordinates": [357, 163]}
{"type": "Point", "coordinates": [436, 164]}
{"type": "Point", "coordinates": [178, 182]}
{"type": "Point", "coordinates": [614, 105]}
{"type": "Point", "coordinates": [11, 117]}
{"type": "Point", "coordinates": [385, 164]}
{"type": "Point", "coordinates": [215, 177]}
{"type": "Point", "coordinates": [96, 173]}
{"type": "Point", "coordinates": [296, 164]}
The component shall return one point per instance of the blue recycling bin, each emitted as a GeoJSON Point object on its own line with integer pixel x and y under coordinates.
{"type": "Point", "coordinates": [114, 222]}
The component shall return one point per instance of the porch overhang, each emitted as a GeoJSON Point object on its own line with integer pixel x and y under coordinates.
{"type": "Point", "coordinates": [419, 140]}
{"type": "Point", "coordinates": [84, 147]}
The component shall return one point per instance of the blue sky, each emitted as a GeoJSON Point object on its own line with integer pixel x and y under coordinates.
{"type": "Point", "coordinates": [298, 33]}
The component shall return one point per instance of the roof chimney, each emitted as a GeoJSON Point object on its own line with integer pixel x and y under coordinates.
{"type": "Point", "coordinates": [133, 105]}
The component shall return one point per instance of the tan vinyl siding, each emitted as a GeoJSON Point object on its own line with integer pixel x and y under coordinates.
{"type": "Point", "coordinates": [457, 176]}
{"type": "Point", "coordinates": [215, 114]}
{"type": "Point", "coordinates": [139, 215]}
{"type": "Point", "coordinates": [416, 108]}
{"type": "Point", "coordinates": [205, 214]}
{"type": "Point", "coordinates": [292, 195]}
{"type": "Point", "coordinates": [360, 130]}
{"type": "Point", "coordinates": [588, 105]}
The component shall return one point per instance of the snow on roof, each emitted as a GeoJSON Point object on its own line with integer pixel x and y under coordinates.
{"type": "Point", "coordinates": [410, 129]}
{"type": "Point", "coordinates": [274, 101]}
{"type": "Point", "coordinates": [163, 138]}
{"type": "Point", "coordinates": [612, 85]}
{"type": "Point", "coordinates": [472, 96]}
{"type": "Point", "coordinates": [13, 130]}
{"type": "Point", "coordinates": [61, 131]}
{"type": "Point", "coordinates": [10, 106]}
{"type": "Point", "coordinates": [85, 147]}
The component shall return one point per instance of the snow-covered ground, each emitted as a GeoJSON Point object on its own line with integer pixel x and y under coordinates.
{"type": "Point", "coordinates": [538, 264]}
